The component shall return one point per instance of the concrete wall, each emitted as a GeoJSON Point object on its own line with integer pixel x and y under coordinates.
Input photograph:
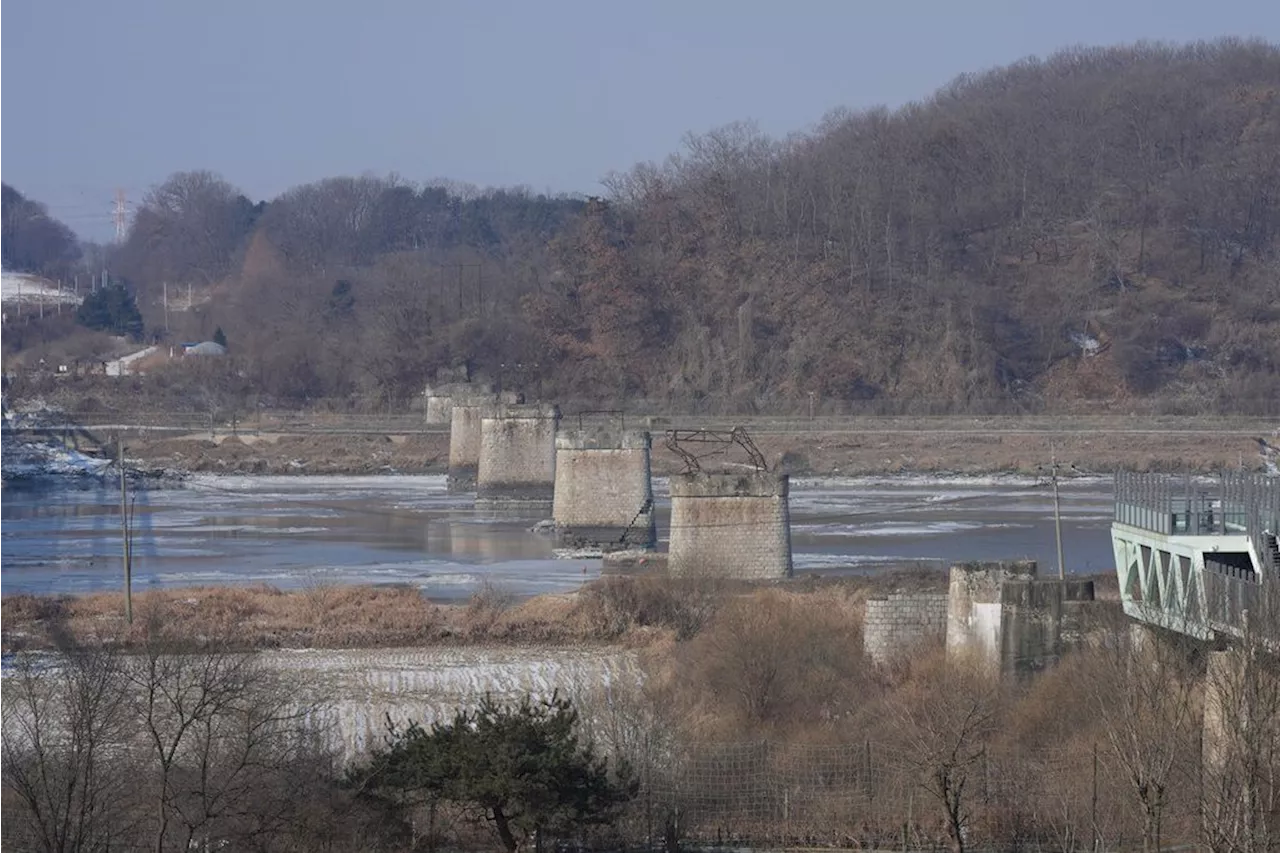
{"type": "Point", "coordinates": [517, 461]}
{"type": "Point", "coordinates": [465, 421]}
{"type": "Point", "coordinates": [604, 493]}
{"type": "Point", "coordinates": [1010, 621]}
{"type": "Point", "coordinates": [730, 525]}
{"type": "Point", "coordinates": [903, 623]}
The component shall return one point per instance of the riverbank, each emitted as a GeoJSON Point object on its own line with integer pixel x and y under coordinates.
{"type": "Point", "coordinates": [857, 447]}
{"type": "Point", "coordinates": [628, 611]}
{"type": "Point", "coordinates": [632, 611]}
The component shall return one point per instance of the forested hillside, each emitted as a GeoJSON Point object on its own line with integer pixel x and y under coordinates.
{"type": "Point", "coordinates": [1098, 228]}
{"type": "Point", "coordinates": [31, 241]}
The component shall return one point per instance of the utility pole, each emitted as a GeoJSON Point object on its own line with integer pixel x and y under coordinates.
{"type": "Point", "coordinates": [124, 529]}
{"type": "Point", "coordinates": [1057, 511]}
{"type": "Point", "coordinates": [166, 307]}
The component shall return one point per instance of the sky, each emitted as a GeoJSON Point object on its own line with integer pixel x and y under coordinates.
{"type": "Point", "coordinates": [100, 95]}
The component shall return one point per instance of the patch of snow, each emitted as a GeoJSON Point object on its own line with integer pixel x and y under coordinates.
{"type": "Point", "coordinates": [48, 460]}
{"type": "Point", "coordinates": [22, 288]}
{"type": "Point", "coordinates": [1089, 345]}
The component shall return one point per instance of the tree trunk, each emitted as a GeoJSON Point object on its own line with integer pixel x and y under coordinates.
{"type": "Point", "coordinates": [504, 830]}
{"type": "Point", "coordinates": [1151, 828]}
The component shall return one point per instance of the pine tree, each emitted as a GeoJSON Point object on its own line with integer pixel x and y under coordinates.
{"type": "Point", "coordinates": [522, 767]}
{"type": "Point", "coordinates": [219, 338]}
{"type": "Point", "coordinates": [111, 309]}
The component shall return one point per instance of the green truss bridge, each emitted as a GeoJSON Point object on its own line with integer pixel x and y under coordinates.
{"type": "Point", "coordinates": [1199, 555]}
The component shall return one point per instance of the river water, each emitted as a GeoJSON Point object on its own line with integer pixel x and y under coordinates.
{"type": "Point", "coordinates": [293, 531]}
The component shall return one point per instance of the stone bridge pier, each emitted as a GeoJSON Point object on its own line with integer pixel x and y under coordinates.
{"type": "Point", "coordinates": [604, 491]}
{"type": "Point", "coordinates": [465, 417]}
{"type": "Point", "coordinates": [730, 526]}
{"type": "Point", "coordinates": [516, 468]}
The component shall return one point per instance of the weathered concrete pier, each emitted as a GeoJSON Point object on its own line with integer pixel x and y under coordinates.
{"type": "Point", "coordinates": [439, 406]}
{"type": "Point", "coordinates": [517, 457]}
{"type": "Point", "coordinates": [465, 419]}
{"type": "Point", "coordinates": [1010, 621]}
{"type": "Point", "coordinates": [603, 490]}
{"type": "Point", "coordinates": [730, 526]}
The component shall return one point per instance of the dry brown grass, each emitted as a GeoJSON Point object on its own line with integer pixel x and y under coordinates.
{"type": "Point", "coordinates": [249, 617]}
{"type": "Point", "coordinates": [768, 660]}
{"type": "Point", "coordinates": [644, 611]}
{"type": "Point", "coordinates": [633, 611]}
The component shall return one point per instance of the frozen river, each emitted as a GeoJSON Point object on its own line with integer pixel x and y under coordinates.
{"type": "Point", "coordinates": [292, 531]}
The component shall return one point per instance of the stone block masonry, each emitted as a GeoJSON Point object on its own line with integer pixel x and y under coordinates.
{"type": "Point", "coordinates": [517, 464]}
{"type": "Point", "coordinates": [902, 624]}
{"type": "Point", "coordinates": [464, 441]}
{"type": "Point", "coordinates": [730, 526]}
{"type": "Point", "coordinates": [604, 492]}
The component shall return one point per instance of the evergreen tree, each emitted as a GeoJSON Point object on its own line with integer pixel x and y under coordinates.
{"type": "Point", "coordinates": [341, 301]}
{"type": "Point", "coordinates": [521, 768]}
{"type": "Point", "coordinates": [111, 309]}
{"type": "Point", "coordinates": [219, 338]}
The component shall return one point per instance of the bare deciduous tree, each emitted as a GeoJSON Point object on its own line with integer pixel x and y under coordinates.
{"type": "Point", "coordinates": [221, 738]}
{"type": "Point", "coordinates": [1144, 683]}
{"type": "Point", "coordinates": [1242, 739]}
{"type": "Point", "coordinates": [947, 717]}
{"type": "Point", "coordinates": [66, 774]}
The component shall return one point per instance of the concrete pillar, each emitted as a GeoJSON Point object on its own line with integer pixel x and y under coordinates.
{"type": "Point", "coordinates": [1221, 688]}
{"type": "Point", "coordinates": [465, 419]}
{"type": "Point", "coordinates": [439, 407]}
{"type": "Point", "coordinates": [604, 493]}
{"type": "Point", "coordinates": [440, 398]}
{"type": "Point", "coordinates": [1011, 622]}
{"type": "Point", "coordinates": [730, 526]}
{"type": "Point", "coordinates": [975, 609]}
{"type": "Point", "coordinates": [517, 464]}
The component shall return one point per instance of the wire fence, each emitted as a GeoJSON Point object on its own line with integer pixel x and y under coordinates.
{"type": "Point", "coordinates": [881, 796]}
{"type": "Point", "coordinates": [415, 422]}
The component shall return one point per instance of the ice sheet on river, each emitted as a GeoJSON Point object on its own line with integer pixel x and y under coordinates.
{"type": "Point", "coordinates": [290, 531]}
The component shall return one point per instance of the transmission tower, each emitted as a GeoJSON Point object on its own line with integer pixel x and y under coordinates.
{"type": "Point", "coordinates": [121, 216]}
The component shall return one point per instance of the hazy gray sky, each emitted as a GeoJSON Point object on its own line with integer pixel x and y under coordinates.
{"type": "Point", "coordinates": [100, 94]}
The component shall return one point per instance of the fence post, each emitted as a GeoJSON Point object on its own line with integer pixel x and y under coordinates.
{"type": "Point", "coordinates": [1093, 800]}
{"type": "Point", "coordinates": [866, 776]}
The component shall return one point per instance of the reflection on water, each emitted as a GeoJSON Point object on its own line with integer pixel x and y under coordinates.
{"type": "Point", "coordinates": [290, 530]}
